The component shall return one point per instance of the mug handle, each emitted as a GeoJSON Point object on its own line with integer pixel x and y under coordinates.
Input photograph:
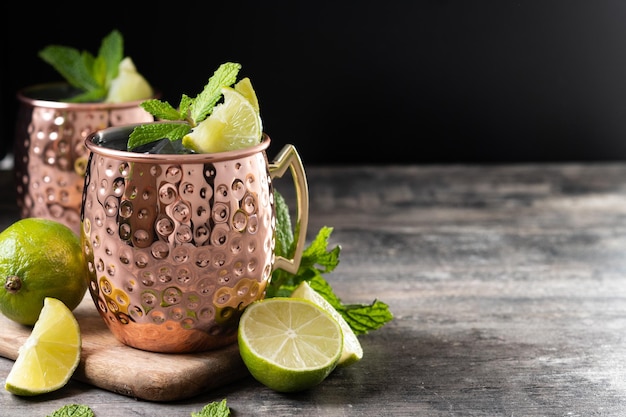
{"type": "Point", "coordinates": [288, 157]}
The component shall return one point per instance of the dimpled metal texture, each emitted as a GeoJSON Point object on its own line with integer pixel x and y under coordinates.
{"type": "Point", "coordinates": [50, 155]}
{"type": "Point", "coordinates": [177, 250]}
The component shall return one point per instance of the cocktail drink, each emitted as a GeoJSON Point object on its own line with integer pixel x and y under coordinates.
{"type": "Point", "coordinates": [178, 242]}
{"type": "Point", "coordinates": [49, 150]}
{"type": "Point", "coordinates": [179, 245]}
{"type": "Point", "coordinates": [52, 124]}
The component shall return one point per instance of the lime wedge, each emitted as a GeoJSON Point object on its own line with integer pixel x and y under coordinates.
{"type": "Point", "coordinates": [234, 124]}
{"type": "Point", "coordinates": [289, 344]}
{"type": "Point", "coordinates": [352, 350]}
{"type": "Point", "coordinates": [50, 355]}
{"type": "Point", "coordinates": [244, 86]}
{"type": "Point", "coordinates": [129, 84]}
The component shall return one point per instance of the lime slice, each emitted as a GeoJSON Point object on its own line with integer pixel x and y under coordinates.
{"type": "Point", "coordinates": [352, 350]}
{"type": "Point", "coordinates": [129, 85]}
{"type": "Point", "coordinates": [50, 355]}
{"type": "Point", "coordinates": [244, 86]}
{"type": "Point", "coordinates": [234, 124]}
{"type": "Point", "coordinates": [289, 344]}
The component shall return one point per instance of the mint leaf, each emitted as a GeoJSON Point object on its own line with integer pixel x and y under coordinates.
{"type": "Point", "coordinates": [111, 53]}
{"type": "Point", "coordinates": [185, 104]}
{"type": "Point", "coordinates": [316, 258]}
{"type": "Point", "coordinates": [147, 133]}
{"type": "Point", "coordinates": [362, 318]}
{"type": "Point", "coordinates": [284, 235]}
{"type": "Point", "coordinates": [317, 254]}
{"type": "Point", "coordinates": [89, 96]}
{"type": "Point", "coordinates": [90, 74]}
{"type": "Point", "coordinates": [73, 410]}
{"type": "Point", "coordinates": [214, 409]}
{"type": "Point", "coordinates": [70, 63]}
{"type": "Point", "coordinates": [162, 110]}
{"type": "Point", "coordinates": [224, 76]}
{"type": "Point", "coordinates": [191, 110]}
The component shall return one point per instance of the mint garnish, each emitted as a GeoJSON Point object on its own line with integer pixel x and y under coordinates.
{"type": "Point", "coordinates": [90, 74]}
{"type": "Point", "coordinates": [318, 259]}
{"type": "Point", "coordinates": [191, 111]}
{"type": "Point", "coordinates": [203, 104]}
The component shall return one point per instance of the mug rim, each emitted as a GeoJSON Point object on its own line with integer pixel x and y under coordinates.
{"type": "Point", "coordinates": [40, 95]}
{"type": "Point", "coordinates": [91, 142]}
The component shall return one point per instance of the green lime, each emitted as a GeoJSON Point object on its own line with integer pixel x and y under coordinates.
{"type": "Point", "coordinates": [352, 350]}
{"type": "Point", "coordinates": [39, 258]}
{"type": "Point", "coordinates": [289, 344]}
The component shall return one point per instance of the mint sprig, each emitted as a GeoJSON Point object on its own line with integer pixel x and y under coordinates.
{"type": "Point", "coordinates": [190, 112]}
{"type": "Point", "coordinates": [90, 74]}
{"type": "Point", "coordinates": [318, 259]}
{"type": "Point", "coordinates": [203, 104]}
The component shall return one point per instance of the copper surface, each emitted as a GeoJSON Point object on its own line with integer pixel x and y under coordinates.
{"type": "Point", "coordinates": [178, 245]}
{"type": "Point", "coordinates": [50, 155]}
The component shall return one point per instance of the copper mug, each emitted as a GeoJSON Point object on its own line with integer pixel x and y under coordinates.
{"type": "Point", "coordinates": [178, 245]}
{"type": "Point", "coordinates": [49, 150]}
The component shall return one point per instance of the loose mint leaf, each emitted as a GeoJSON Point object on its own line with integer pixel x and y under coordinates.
{"type": "Point", "coordinates": [73, 410]}
{"type": "Point", "coordinates": [161, 110]}
{"type": "Point", "coordinates": [203, 104]}
{"type": "Point", "coordinates": [147, 133]}
{"type": "Point", "coordinates": [362, 318]}
{"type": "Point", "coordinates": [214, 409]}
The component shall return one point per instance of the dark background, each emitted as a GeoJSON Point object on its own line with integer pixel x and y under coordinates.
{"type": "Point", "coordinates": [372, 81]}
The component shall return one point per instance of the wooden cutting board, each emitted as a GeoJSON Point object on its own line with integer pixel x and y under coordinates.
{"type": "Point", "coordinates": [111, 365]}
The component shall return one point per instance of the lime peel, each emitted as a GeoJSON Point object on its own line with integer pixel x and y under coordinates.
{"type": "Point", "coordinates": [352, 351]}
{"type": "Point", "coordinates": [39, 258]}
{"type": "Point", "coordinates": [289, 344]}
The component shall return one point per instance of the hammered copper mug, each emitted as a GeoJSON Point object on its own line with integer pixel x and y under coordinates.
{"type": "Point", "coordinates": [178, 245]}
{"type": "Point", "coordinates": [49, 149]}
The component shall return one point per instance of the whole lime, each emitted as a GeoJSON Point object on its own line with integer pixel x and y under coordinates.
{"type": "Point", "coordinates": [39, 258]}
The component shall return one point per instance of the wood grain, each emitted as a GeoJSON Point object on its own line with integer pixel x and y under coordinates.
{"type": "Point", "coordinates": [108, 364]}
{"type": "Point", "coordinates": [507, 284]}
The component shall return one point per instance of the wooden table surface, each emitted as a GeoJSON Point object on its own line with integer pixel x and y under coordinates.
{"type": "Point", "coordinates": [507, 283]}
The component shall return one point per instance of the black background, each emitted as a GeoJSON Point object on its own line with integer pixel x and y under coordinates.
{"type": "Point", "coordinates": [371, 81]}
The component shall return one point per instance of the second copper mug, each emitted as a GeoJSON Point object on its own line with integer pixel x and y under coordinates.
{"type": "Point", "coordinates": [178, 245]}
{"type": "Point", "coordinates": [49, 148]}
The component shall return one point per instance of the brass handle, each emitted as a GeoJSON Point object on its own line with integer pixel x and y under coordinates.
{"type": "Point", "coordinates": [288, 157]}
